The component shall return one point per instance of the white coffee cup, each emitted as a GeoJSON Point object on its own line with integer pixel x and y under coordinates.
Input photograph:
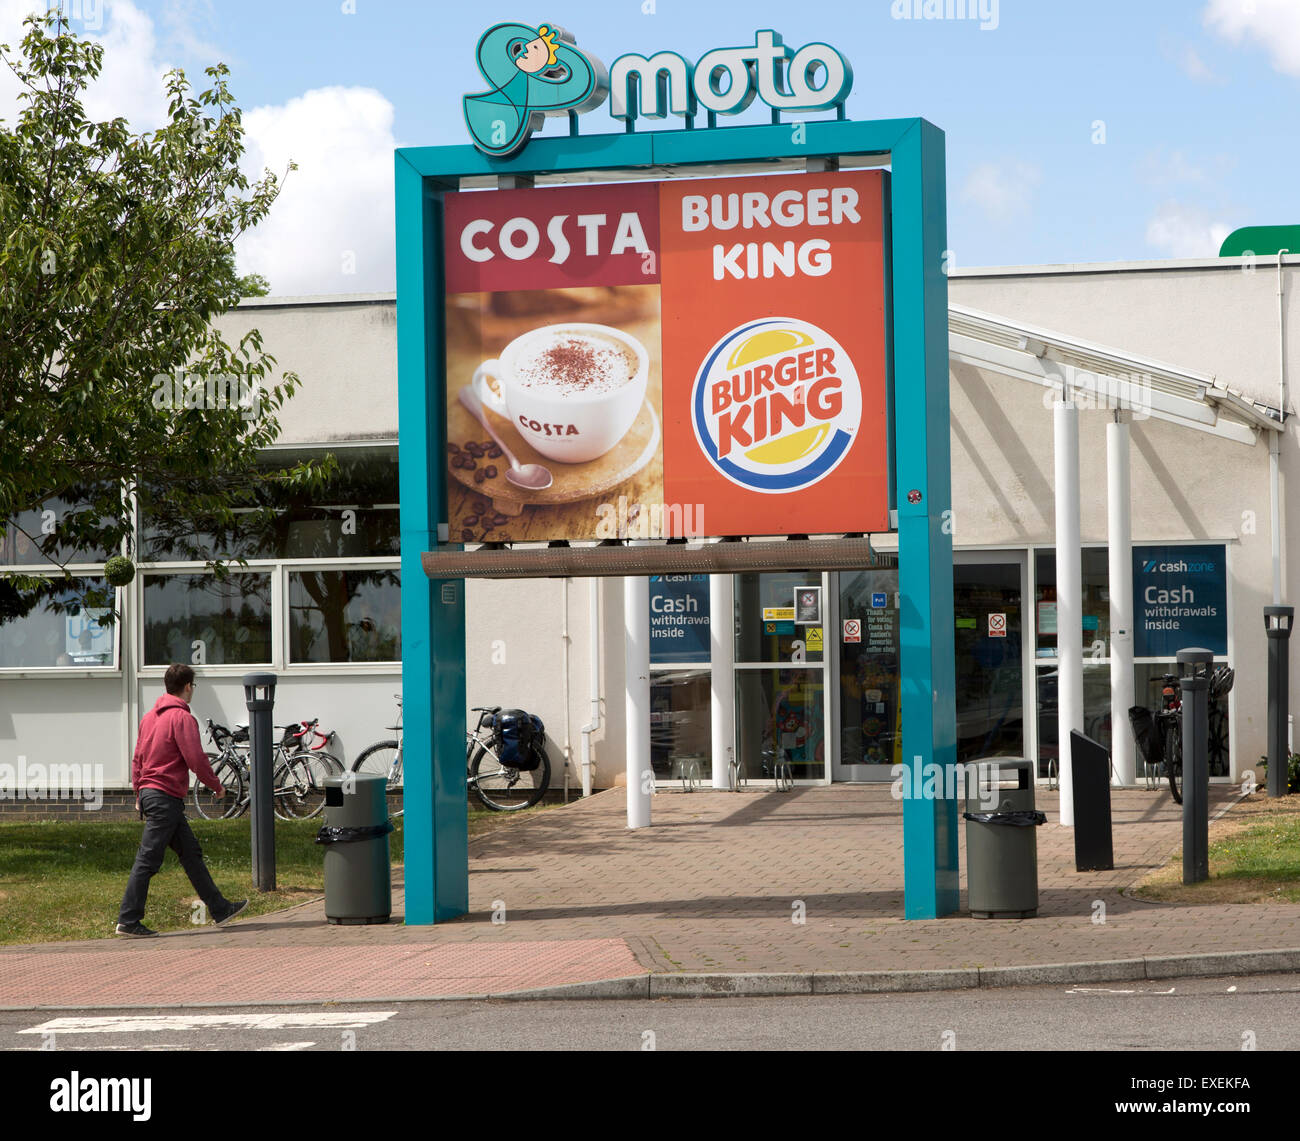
{"type": "Point", "coordinates": [572, 390]}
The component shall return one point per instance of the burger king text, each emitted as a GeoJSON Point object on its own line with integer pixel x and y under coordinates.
{"type": "Point", "coordinates": [826, 206]}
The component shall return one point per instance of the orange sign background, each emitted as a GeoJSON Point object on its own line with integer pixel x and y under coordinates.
{"type": "Point", "coordinates": [736, 252]}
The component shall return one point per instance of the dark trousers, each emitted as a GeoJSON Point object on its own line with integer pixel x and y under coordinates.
{"type": "Point", "coordinates": [165, 827]}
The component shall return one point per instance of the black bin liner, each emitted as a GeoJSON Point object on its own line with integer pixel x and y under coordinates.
{"type": "Point", "coordinates": [1026, 818]}
{"type": "Point", "coordinates": [328, 835]}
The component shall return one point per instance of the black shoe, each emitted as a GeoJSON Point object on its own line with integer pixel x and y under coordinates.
{"type": "Point", "coordinates": [135, 930]}
{"type": "Point", "coordinates": [237, 907]}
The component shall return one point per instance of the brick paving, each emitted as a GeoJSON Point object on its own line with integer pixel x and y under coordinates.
{"type": "Point", "coordinates": [711, 886]}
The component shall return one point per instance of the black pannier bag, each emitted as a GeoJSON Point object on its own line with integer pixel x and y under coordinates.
{"type": "Point", "coordinates": [516, 734]}
{"type": "Point", "coordinates": [1144, 731]}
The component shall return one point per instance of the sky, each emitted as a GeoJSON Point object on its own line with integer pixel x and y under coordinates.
{"type": "Point", "coordinates": [1076, 130]}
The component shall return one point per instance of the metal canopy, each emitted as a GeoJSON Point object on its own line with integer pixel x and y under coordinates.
{"type": "Point", "coordinates": [1111, 378]}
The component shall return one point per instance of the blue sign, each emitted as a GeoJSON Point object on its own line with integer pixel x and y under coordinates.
{"type": "Point", "coordinates": [1180, 599]}
{"type": "Point", "coordinates": [879, 600]}
{"type": "Point", "coordinates": [679, 619]}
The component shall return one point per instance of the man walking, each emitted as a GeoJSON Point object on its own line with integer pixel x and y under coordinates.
{"type": "Point", "coordinates": [167, 749]}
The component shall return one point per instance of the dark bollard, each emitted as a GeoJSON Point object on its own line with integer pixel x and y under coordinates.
{"type": "Point", "coordinates": [1194, 670]}
{"type": "Point", "coordinates": [1277, 623]}
{"type": "Point", "coordinates": [259, 693]}
{"type": "Point", "coordinates": [1094, 848]}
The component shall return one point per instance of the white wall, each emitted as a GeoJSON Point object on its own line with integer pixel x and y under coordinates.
{"type": "Point", "coordinates": [344, 351]}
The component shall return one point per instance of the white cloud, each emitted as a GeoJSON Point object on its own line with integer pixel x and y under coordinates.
{"type": "Point", "coordinates": [1183, 231]}
{"type": "Point", "coordinates": [1274, 24]}
{"type": "Point", "coordinates": [1164, 168]}
{"type": "Point", "coordinates": [1004, 191]}
{"type": "Point", "coordinates": [131, 81]}
{"type": "Point", "coordinates": [331, 229]}
{"type": "Point", "coordinates": [1191, 65]}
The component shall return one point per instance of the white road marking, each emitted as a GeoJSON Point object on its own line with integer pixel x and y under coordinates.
{"type": "Point", "coordinates": [1109, 990]}
{"type": "Point", "coordinates": [285, 1046]}
{"type": "Point", "coordinates": [157, 1023]}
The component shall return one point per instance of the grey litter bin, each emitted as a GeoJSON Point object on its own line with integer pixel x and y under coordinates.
{"type": "Point", "coordinates": [1001, 842]}
{"type": "Point", "coordinates": [358, 887]}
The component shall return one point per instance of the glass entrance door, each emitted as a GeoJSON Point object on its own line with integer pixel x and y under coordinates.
{"type": "Point", "coordinates": [869, 709]}
{"type": "Point", "coordinates": [781, 672]}
{"type": "Point", "coordinates": [988, 594]}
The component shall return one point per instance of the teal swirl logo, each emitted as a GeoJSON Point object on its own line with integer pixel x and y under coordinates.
{"type": "Point", "coordinates": [532, 73]}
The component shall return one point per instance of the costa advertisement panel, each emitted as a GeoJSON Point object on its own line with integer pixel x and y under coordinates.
{"type": "Point", "coordinates": [665, 360]}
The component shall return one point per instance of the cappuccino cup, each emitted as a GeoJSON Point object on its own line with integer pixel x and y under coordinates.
{"type": "Point", "coordinates": [571, 390]}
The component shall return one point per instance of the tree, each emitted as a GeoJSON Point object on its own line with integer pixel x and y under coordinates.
{"type": "Point", "coordinates": [116, 253]}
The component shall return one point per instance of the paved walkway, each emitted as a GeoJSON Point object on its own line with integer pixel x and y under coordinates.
{"type": "Point", "coordinates": [706, 898]}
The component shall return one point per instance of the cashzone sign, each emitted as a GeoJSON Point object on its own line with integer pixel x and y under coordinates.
{"type": "Point", "coordinates": [759, 339]}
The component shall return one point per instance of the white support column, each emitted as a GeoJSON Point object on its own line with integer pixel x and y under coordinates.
{"type": "Point", "coordinates": [722, 661]}
{"type": "Point", "coordinates": [1069, 595]}
{"type": "Point", "coordinates": [636, 634]}
{"type": "Point", "coordinates": [1119, 532]}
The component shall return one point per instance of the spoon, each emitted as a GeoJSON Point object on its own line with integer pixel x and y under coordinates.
{"type": "Point", "coordinates": [531, 477]}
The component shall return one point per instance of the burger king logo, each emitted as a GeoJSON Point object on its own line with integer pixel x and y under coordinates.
{"type": "Point", "coordinates": [776, 405]}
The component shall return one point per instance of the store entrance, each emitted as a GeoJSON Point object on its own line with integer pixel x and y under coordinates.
{"type": "Point", "coordinates": [781, 674]}
{"type": "Point", "coordinates": [870, 690]}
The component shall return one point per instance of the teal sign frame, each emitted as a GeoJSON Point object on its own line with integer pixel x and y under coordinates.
{"type": "Point", "coordinates": [433, 611]}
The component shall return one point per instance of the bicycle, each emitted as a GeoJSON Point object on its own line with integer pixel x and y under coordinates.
{"type": "Point", "coordinates": [1169, 724]}
{"type": "Point", "coordinates": [499, 786]}
{"type": "Point", "coordinates": [298, 773]}
{"type": "Point", "coordinates": [1168, 721]}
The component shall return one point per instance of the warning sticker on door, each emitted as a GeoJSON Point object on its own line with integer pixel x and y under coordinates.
{"type": "Point", "coordinates": [997, 625]}
{"type": "Point", "coordinates": [815, 638]}
{"type": "Point", "coordinates": [853, 630]}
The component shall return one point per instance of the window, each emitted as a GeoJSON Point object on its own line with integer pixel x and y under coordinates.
{"type": "Point", "coordinates": [345, 616]}
{"type": "Point", "coordinates": [354, 516]}
{"type": "Point", "coordinates": [200, 619]}
{"type": "Point", "coordinates": [60, 632]}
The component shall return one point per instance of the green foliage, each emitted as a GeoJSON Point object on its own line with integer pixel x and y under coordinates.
{"type": "Point", "coordinates": [1292, 772]}
{"type": "Point", "coordinates": [116, 254]}
{"type": "Point", "coordinates": [119, 570]}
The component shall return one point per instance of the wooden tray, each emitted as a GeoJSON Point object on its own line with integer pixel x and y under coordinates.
{"type": "Point", "coordinates": [571, 482]}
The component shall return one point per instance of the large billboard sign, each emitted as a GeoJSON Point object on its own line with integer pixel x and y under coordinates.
{"type": "Point", "coordinates": [668, 360]}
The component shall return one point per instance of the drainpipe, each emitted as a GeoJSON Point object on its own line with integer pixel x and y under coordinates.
{"type": "Point", "coordinates": [568, 710]}
{"type": "Point", "coordinates": [593, 625]}
{"type": "Point", "coordinates": [1275, 442]}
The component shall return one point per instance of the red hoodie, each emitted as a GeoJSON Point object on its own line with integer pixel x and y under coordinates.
{"type": "Point", "coordinates": [168, 748]}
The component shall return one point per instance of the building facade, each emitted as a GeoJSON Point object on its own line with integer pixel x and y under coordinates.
{"type": "Point", "coordinates": [1195, 356]}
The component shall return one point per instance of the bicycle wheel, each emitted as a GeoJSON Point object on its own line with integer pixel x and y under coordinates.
{"type": "Point", "coordinates": [504, 789]}
{"type": "Point", "coordinates": [1218, 741]}
{"type": "Point", "coordinates": [305, 784]}
{"type": "Point", "coordinates": [209, 806]}
{"type": "Point", "coordinates": [1174, 760]}
{"type": "Point", "coordinates": [383, 759]}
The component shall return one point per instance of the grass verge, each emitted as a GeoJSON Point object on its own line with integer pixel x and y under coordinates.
{"type": "Point", "coordinates": [63, 880]}
{"type": "Point", "coordinates": [1254, 858]}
